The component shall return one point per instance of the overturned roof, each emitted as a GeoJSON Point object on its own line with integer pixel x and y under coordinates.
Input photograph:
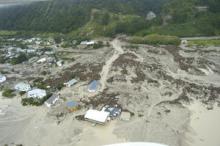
{"type": "Point", "coordinates": [138, 144]}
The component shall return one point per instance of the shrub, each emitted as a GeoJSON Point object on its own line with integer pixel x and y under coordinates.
{"type": "Point", "coordinates": [22, 93]}
{"type": "Point", "coordinates": [40, 84]}
{"type": "Point", "coordinates": [60, 86]}
{"type": "Point", "coordinates": [19, 59]}
{"type": "Point", "coordinates": [2, 60]}
{"type": "Point", "coordinates": [98, 45]}
{"type": "Point", "coordinates": [8, 93]}
{"type": "Point", "coordinates": [156, 39]}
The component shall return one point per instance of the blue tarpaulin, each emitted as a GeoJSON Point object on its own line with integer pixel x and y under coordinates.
{"type": "Point", "coordinates": [71, 104]}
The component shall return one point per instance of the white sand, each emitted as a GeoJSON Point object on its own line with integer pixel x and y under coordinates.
{"type": "Point", "coordinates": [204, 126]}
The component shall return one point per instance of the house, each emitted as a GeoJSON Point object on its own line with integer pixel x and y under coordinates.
{"type": "Point", "coordinates": [93, 86]}
{"type": "Point", "coordinates": [52, 100]}
{"type": "Point", "coordinates": [151, 15]}
{"type": "Point", "coordinates": [2, 78]}
{"type": "Point", "coordinates": [37, 93]}
{"type": "Point", "coordinates": [202, 8]}
{"type": "Point", "coordinates": [184, 42]}
{"type": "Point", "coordinates": [71, 83]}
{"type": "Point", "coordinates": [31, 51]}
{"type": "Point", "coordinates": [99, 117]}
{"type": "Point", "coordinates": [72, 106]}
{"type": "Point", "coordinates": [42, 60]}
{"type": "Point", "coordinates": [59, 63]}
{"type": "Point", "coordinates": [87, 43]}
{"type": "Point", "coordinates": [22, 87]}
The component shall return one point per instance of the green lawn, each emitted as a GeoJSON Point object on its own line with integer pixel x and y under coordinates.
{"type": "Point", "coordinates": [214, 42]}
{"type": "Point", "coordinates": [156, 39]}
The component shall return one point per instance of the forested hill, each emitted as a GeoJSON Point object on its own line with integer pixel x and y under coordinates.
{"type": "Point", "coordinates": [110, 17]}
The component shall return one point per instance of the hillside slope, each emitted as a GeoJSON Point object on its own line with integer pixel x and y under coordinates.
{"type": "Point", "coordinates": [174, 17]}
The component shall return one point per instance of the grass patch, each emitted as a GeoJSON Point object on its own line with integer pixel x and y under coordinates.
{"type": "Point", "coordinates": [156, 39]}
{"type": "Point", "coordinates": [7, 33]}
{"type": "Point", "coordinates": [213, 42]}
{"type": "Point", "coordinates": [8, 93]}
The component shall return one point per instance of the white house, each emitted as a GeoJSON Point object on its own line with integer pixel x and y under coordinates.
{"type": "Point", "coordinates": [87, 43]}
{"type": "Point", "coordinates": [52, 100]}
{"type": "Point", "coordinates": [202, 8]}
{"type": "Point", "coordinates": [2, 78]}
{"type": "Point", "coordinates": [37, 93]}
{"type": "Point", "coordinates": [31, 50]}
{"type": "Point", "coordinates": [23, 87]}
{"type": "Point", "coordinates": [99, 117]}
{"type": "Point", "coordinates": [151, 15]}
{"type": "Point", "coordinates": [42, 60]}
{"type": "Point", "coordinates": [70, 83]}
{"type": "Point", "coordinates": [59, 63]}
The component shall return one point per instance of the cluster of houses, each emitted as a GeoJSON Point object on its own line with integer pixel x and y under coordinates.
{"type": "Point", "coordinates": [36, 93]}
{"type": "Point", "coordinates": [39, 41]}
{"type": "Point", "coordinates": [100, 117]}
{"type": "Point", "coordinates": [12, 52]}
{"type": "Point", "coordinates": [31, 93]}
{"type": "Point", "coordinates": [106, 114]}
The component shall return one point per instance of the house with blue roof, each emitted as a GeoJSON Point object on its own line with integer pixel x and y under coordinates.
{"type": "Point", "coordinates": [93, 86]}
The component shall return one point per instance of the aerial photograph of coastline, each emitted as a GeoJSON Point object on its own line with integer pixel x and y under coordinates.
{"type": "Point", "coordinates": [109, 73]}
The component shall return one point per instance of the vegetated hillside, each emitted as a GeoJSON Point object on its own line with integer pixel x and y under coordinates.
{"type": "Point", "coordinates": [110, 17]}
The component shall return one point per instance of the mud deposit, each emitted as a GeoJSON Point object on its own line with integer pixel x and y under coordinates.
{"type": "Point", "coordinates": [159, 85]}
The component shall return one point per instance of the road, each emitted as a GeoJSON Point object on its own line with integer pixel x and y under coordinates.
{"type": "Point", "coordinates": [107, 67]}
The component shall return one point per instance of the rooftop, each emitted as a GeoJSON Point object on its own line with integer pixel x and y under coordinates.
{"type": "Point", "coordinates": [97, 116]}
{"type": "Point", "coordinates": [71, 82]}
{"type": "Point", "coordinates": [53, 98]}
{"type": "Point", "coordinates": [93, 86]}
